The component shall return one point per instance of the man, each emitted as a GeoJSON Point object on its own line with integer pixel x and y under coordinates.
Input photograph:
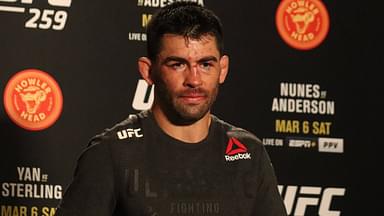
{"type": "Point", "coordinates": [177, 158]}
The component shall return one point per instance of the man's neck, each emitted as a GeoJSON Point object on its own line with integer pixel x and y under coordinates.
{"type": "Point", "coordinates": [192, 133]}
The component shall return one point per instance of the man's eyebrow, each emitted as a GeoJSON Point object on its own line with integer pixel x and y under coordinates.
{"type": "Point", "coordinates": [183, 60]}
{"type": "Point", "coordinates": [208, 58]}
{"type": "Point", "coordinates": [174, 58]}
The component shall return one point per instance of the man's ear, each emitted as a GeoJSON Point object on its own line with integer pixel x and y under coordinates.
{"type": "Point", "coordinates": [224, 66]}
{"type": "Point", "coordinates": [145, 64]}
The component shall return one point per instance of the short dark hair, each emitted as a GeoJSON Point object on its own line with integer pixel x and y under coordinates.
{"type": "Point", "coordinates": [187, 19]}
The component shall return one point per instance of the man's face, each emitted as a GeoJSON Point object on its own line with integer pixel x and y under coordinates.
{"type": "Point", "coordinates": [187, 74]}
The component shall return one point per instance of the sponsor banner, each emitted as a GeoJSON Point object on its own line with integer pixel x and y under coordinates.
{"type": "Point", "coordinates": [33, 99]}
{"type": "Point", "coordinates": [306, 98]}
{"type": "Point", "coordinates": [144, 96]}
{"type": "Point", "coordinates": [311, 118]}
{"type": "Point", "coordinates": [52, 16]}
{"type": "Point", "coordinates": [302, 24]}
{"type": "Point", "coordinates": [304, 119]}
{"type": "Point", "coordinates": [333, 145]}
{"type": "Point", "coordinates": [31, 183]}
{"type": "Point", "coordinates": [316, 144]}
{"type": "Point", "coordinates": [300, 200]}
{"type": "Point", "coordinates": [147, 9]}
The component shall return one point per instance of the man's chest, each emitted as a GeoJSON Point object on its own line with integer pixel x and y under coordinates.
{"type": "Point", "coordinates": [180, 183]}
{"type": "Point", "coordinates": [188, 191]}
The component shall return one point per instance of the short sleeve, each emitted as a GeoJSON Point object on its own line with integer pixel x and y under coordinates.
{"type": "Point", "coordinates": [92, 190]}
{"type": "Point", "coordinates": [269, 201]}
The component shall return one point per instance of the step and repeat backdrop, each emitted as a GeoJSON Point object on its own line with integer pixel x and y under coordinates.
{"type": "Point", "coordinates": [303, 77]}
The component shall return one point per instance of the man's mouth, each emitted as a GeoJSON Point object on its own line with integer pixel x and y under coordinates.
{"type": "Point", "coordinates": [193, 98]}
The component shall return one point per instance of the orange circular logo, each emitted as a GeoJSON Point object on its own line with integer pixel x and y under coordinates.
{"type": "Point", "coordinates": [33, 99]}
{"type": "Point", "coordinates": [303, 24]}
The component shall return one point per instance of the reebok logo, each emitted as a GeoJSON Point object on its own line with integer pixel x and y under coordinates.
{"type": "Point", "coordinates": [236, 151]}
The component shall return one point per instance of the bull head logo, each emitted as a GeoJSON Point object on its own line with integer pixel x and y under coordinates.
{"type": "Point", "coordinates": [302, 18]}
{"type": "Point", "coordinates": [32, 98]}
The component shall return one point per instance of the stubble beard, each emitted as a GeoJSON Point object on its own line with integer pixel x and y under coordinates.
{"type": "Point", "coordinates": [180, 113]}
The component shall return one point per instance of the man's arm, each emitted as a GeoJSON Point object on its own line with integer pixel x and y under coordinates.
{"type": "Point", "coordinates": [92, 190]}
{"type": "Point", "coordinates": [269, 201]}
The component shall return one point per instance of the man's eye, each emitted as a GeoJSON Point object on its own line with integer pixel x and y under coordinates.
{"type": "Point", "coordinates": [177, 66]}
{"type": "Point", "coordinates": [205, 65]}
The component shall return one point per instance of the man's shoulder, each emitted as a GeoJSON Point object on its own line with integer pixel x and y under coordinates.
{"type": "Point", "coordinates": [239, 133]}
{"type": "Point", "coordinates": [128, 129]}
{"type": "Point", "coordinates": [121, 141]}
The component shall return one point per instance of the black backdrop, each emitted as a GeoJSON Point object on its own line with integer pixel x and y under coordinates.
{"type": "Point", "coordinates": [90, 49]}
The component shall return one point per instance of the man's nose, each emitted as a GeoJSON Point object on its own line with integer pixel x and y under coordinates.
{"type": "Point", "coordinates": [193, 77]}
